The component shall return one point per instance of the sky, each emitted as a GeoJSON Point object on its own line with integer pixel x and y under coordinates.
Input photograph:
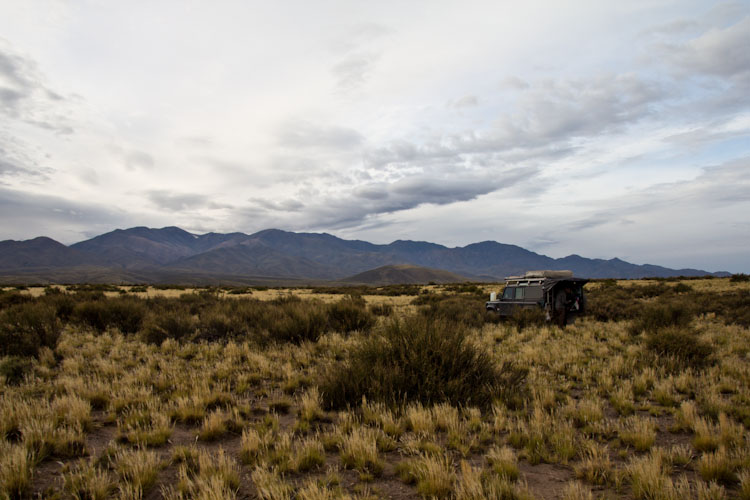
{"type": "Point", "coordinates": [599, 128]}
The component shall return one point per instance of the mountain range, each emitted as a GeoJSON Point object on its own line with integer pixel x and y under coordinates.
{"type": "Point", "coordinates": [273, 256]}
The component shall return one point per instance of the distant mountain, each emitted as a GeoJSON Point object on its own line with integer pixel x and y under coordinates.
{"type": "Point", "coordinates": [142, 254]}
{"type": "Point", "coordinates": [404, 274]}
{"type": "Point", "coordinates": [40, 252]}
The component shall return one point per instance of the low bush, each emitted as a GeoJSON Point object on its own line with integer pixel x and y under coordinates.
{"type": "Point", "coordinates": [96, 287]}
{"type": "Point", "coordinates": [463, 310]}
{"type": "Point", "coordinates": [124, 313]}
{"type": "Point", "coordinates": [420, 359]}
{"type": "Point", "coordinates": [12, 298]}
{"type": "Point", "coordinates": [15, 368]}
{"type": "Point", "coordinates": [196, 302]}
{"type": "Point", "coordinates": [63, 303]}
{"type": "Point", "coordinates": [739, 278]}
{"type": "Point", "coordinates": [611, 302]}
{"type": "Point", "coordinates": [679, 346]}
{"type": "Point", "coordinates": [350, 314]}
{"type": "Point", "coordinates": [525, 317]}
{"type": "Point", "coordinates": [298, 321]}
{"type": "Point", "coordinates": [25, 328]}
{"type": "Point", "coordinates": [381, 309]}
{"type": "Point", "coordinates": [178, 325]}
{"type": "Point", "coordinates": [661, 315]}
{"type": "Point", "coordinates": [730, 307]}
{"type": "Point", "coordinates": [465, 288]}
{"type": "Point", "coordinates": [682, 288]}
{"type": "Point", "coordinates": [215, 324]}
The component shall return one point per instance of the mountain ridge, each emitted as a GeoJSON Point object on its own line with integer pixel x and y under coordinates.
{"type": "Point", "coordinates": [275, 253]}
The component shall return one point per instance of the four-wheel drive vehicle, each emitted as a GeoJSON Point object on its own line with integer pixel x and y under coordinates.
{"type": "Point", "coordinates": [541, 289]}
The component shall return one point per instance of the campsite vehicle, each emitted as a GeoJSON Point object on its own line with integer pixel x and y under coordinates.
{"type": "Point", "coordinates": [540, 289]}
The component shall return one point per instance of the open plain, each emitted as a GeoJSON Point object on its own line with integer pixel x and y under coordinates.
{"type": "Point", "coordinates": [392, 392]}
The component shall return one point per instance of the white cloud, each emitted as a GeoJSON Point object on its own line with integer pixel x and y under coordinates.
{"type": "Point", "coordinates": [385, 119]}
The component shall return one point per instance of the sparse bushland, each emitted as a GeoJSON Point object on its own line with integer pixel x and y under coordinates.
{"type": "Point", "coordinates": [420, 359]}
{"type": "Point", "coordinates": [102, 404]}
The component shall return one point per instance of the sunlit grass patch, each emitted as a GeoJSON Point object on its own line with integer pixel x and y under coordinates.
{"type": "Point", "coordinates": [433, 475]}
{"type": "Point", "coordinates": [638, 432]}
{"type": "Point", "coordinates": [16, 469]}
{"type": "Point", "coordinates": [359, 451]}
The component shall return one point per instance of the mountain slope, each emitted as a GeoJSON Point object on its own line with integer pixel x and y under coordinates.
{"type": "Point", "coordinates": [404, 274]}
{"type": "Point", "coordinates": [157, 254]}
{"type": "Point", "coordinates": [40, 252]}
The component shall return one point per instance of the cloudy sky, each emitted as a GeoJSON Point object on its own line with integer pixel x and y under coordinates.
{"type": "Point", "coordinates": [602, 128]}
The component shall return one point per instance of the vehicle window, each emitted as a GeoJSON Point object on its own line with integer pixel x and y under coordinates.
{"type": "Point", "coordinates": [519, 293]}
{"type": "Point", "coordinates": [509, 293]}
{"type": "Point", "coordinates": [534, 292]}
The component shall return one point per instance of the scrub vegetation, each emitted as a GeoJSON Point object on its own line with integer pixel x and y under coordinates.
{"type": "Point", "coordinates": [403, 392]}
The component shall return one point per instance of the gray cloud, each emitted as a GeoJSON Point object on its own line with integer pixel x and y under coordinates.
{"type": "Point", "coordinates": [196, 141]}
{"type": "Point", "coordinates": [719, 52]}
{"type": "Point", "coordinates": [138, 159]}
{"type": "Point", "coordinates": [24, 96]}
{"type": "Point", "coordinates": [14, 162]}
{"type": "Point", "coordinates": [352, 71]}
{"type": "Point", "coordinates": [716, 187]}
{"type": "Point", "coordinates": [467, 101]}
{"type": "Point", "coordinates": [175, 202]}
{"type": "Point", "coordinates": [64, 220]}
{"type": "Point", "coordinates": [375, 199]}
{"type": "Point", "coordinates": [549, 117]}
{"type": "Point", "coordinates": [304, 134]}
{"type": "Point", "coordinates": [556, 110]}
{"type": "Point", "coordinates": [290, 205]}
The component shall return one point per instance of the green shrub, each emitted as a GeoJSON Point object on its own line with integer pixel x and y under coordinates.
{"type": "Point", "coordinates": [298, 321]}
{"type": "Point", "coordinates": [680, 345]}
{"type": "Point", "coordinates": [98, 287]}
{"type": "Point", "coordinates": [25, 328]}
{"type": "Point", "coordinates": [381, 309]}
{"type": "Point", "coordinates": [15, 368]}
{"type": "Point", "coordinates": [177, 325]}
{"type": "Point", "coordinates": [464, 288]}
{"type": "Point", "coordinates": [350, 314]}
{"type": "Point", "coordinates": [524, 317]}
{"type": "Point", "coordinates": [463, 310]}
{"type": "Point", "coordinates": [731, 307]}
{"type": "Point", "coordinates": [661, 315]}
{"type": "Point", "coordinates": [12, 298]}
{"type": "Point", "coordinates": [215, 324]}
{"type": "Point", "coordinates": [197, 302]}
{"type": "Point", "coordinates": [739, 278]}
{"type": "Point", "coordinates": [63, 303]}
{"type": "Point", "coordinates": [651, 290]}
{"type": "Point", "coordinates": [420, 359]}
{"type": "Point", "coordinates": [611, 302]}
{"type": "Point", "coordinates": [124, 313]}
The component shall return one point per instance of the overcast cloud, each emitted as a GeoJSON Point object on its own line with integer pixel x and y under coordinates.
{"type": "Point", "coordinates": [606, 129]}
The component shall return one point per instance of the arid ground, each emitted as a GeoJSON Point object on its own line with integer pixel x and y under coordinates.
{"type": "Point", "coordinates": [397, 392]}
